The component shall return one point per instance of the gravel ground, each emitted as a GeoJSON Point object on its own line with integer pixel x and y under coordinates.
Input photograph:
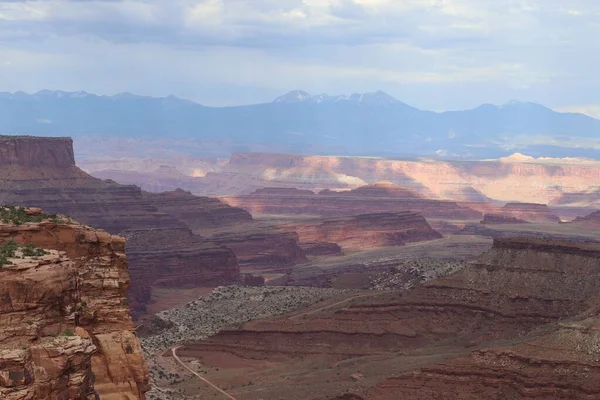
{"type": "Point", "coordinates": [409, 273]}
{"type": "Point", "coordinates": [226, 307]}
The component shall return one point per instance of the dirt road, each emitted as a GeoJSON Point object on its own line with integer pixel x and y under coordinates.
{"type": "Point", "coordinates": [203, 379]}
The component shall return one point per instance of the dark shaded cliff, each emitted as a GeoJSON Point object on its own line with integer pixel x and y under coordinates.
{"type": "Point", "coordinates": [33, 151]}
{"type": "Point", "coordinates": [41, 172]}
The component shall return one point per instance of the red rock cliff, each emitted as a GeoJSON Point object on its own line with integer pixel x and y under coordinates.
{"type": "Point", "coordinates": [65, 328]}
{"type": "Point", "coordinates": [41, 172]}
{"type": "Point", "coordinates": [34, 151]}
{"type": "Point", "coordinates": [520, 323]}
{"type": "Point", "coordinates": [374, 230]}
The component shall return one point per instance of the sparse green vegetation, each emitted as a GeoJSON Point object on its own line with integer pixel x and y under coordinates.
{"type": "Point", "coordinates": [68, 332]}
{"type": "Point", "coordinates": [18, 216]}
{"type": "Point", "coordinates": [29, 250]}
{"type": "Point", "coordinates": [9, 250]}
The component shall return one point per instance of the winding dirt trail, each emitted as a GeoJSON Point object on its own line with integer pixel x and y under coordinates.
{"type": "Point", "coordinates": [203, 379]}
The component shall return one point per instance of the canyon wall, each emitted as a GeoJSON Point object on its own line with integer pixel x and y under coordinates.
{"type": "Point", "coordinates": [370, 230]}
{"type": "Point", "coordinates": [520, 323]}
{"type": "Point", "coordinates": [375, 198]}
{"type": "Point", "coordinates": [530, 212]}
{"type": "Point", "coordinates": [197, 212]}
{"type": "Point", "coordinates": [30, 151]}
{"type": "Point", "coordinates": [65, 326]}
{"type": "Point", "coordinates": [509, 179]}
{"type": "Point", "coordinates": [57, 185]}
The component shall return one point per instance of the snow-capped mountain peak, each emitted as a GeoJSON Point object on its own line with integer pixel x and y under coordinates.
{"type": "Point", "coordinates": [378, 98]}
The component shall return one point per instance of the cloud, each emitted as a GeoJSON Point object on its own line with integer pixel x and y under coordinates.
{"type": "Point", "coordinates": [593, 110]}
{"type": "Point", "coordinates": [436, 54]}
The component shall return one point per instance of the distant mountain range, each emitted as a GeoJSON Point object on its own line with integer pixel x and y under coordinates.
{"type": "Point", "coordinates": [374, 124]}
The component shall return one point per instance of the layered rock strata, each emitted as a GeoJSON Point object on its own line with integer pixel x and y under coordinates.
{"type": "Point", "coordinates": [499, 219]}
{"type": "Point", "coordinates": [520, 323]}
{"type": "Point", "coordinates": [529, 212]}
{"type": "Point", "coordinates": [363, 200]}
{"type": "Point", "coordinates": [197, 212]}
{"type": "Point", "coordinates": [374, 230]}
{"type": "Point", "coordinates": [66, 332]}
{"type": "Point", "coordinates": [41, 172]}
{"type": "Point", "coordinates": [589, 221]}
{"type": "Point", "coordinates": [266, 248]}
{"type": "Point", "coordinates": [190, 261]}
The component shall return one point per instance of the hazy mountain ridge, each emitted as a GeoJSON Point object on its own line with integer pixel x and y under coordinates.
{"type": "Point", "coordinates": [367, 124]}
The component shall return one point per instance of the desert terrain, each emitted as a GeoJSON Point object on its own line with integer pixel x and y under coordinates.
{"type": "Point", "coordinates": [310, 291]}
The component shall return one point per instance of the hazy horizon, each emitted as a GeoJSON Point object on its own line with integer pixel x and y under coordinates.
{"type": "Point", "coordinates": [432, 54]}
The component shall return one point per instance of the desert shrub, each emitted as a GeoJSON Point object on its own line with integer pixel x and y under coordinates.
{"type": "Point", "coordinates": [29, 250]}
{"type": "Point", "coordinates": [7, 250]}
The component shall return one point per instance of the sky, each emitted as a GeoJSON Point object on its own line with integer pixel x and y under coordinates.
{"type": "Point", "coordinates": [432, 54]}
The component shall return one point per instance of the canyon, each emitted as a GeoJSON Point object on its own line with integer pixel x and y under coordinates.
{"type": "Point", "coordinates": [309, 277]}
{"type": "Point", "coordinates": [375, 198]}
{"type": "Point", "coordinates": [508, 179]}
{"type": "Point", "coordinates": [65, 327]}
{"type": "Point", "coordinates": [176, 240]}
{"type": "Point", "coordinates": [519, 322]}
{"type": "Point", "coordinates": [41, 172]}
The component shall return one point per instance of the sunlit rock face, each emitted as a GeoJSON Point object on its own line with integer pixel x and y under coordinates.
{"type": "Point", "coordinates": [65, 327]}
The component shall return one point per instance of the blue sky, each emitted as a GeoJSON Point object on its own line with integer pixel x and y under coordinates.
{"type": "Point", "coordinates": [433, 54]}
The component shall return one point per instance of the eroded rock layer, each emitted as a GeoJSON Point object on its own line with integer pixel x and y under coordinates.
{"type": "Point", "coordinates": [499, 219]}
{"type": "Point", "coordinates": [519, 323]}
{"type": "Point", "coordinates": [41, 172]}
{"type": "Point", "coordinates": [263, 247]}
{"type": "Point", "coordinates": [66, 332]}
{"type": "Point", "coordinates": [372, 230]}
{"type": "Point", "coordinates": [197, 262]}
{"type": "Point", "coordinates": [529, 212]}
{"type": "Point", "coordinates": [374, 198]}
{"type": "Point", "coordinates": [197, 212]}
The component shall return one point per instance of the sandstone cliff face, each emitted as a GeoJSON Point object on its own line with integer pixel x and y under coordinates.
{"type": "Point", "coordinates": [65, 327]}
{"type": "Point", "coordinates": [30, 151]}
{"type": "Point", "coordinates": [197, 212]}
{"type": "Point", "coordinates": [263, 247]}
{"type": "Point", "coordinates": [189, 262]}
{"type": "Point", "coordinates": [375, 198]}
{"type": "Point", "coordinates": [530, 212]}
{"type": "Point", "coordinates": [374, 230]}
{"type": "Point", "coordinates": [41, 172]}
{"type": "Point", "coordinates": [520, 323]}
{"type": "Point", "coordinates": [589, 221]}
{"type": "Point", "coordinates": [499, 219]}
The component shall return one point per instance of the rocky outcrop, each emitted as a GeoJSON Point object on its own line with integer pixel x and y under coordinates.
{"type": "Point", "coordinates": [321, 248]}
{"type": "Point", "coordinates": [31, 151]}
{"type": "Point", "coordinates": [375, 230]}
{"type": "Point", "coordinates": [499, 219]}
{"type": "Point", "coordinates": [589, 221]}
{"type": "Point", "coordinates": [264, 248]}
{"type": "Point", "coordinates": [529, 212]}
{"type": "Point", "coordinates": [376, 198]}
{"type": "Point", "coordinates": [197, 212]}
{"type": "Point", "coordinates": [65, 326]}
{"type": "Point", "coordinates": [520, 322]}
{"type": "Point", "coordinates": [189, 262]}
{"type": "Point", "coordinates": [60, 187]}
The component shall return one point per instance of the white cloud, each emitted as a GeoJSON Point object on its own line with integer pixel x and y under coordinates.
{"type": "Point", "coordinates": [437, 54]}
{"type": "Point", "coordinates": [593, 110]}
